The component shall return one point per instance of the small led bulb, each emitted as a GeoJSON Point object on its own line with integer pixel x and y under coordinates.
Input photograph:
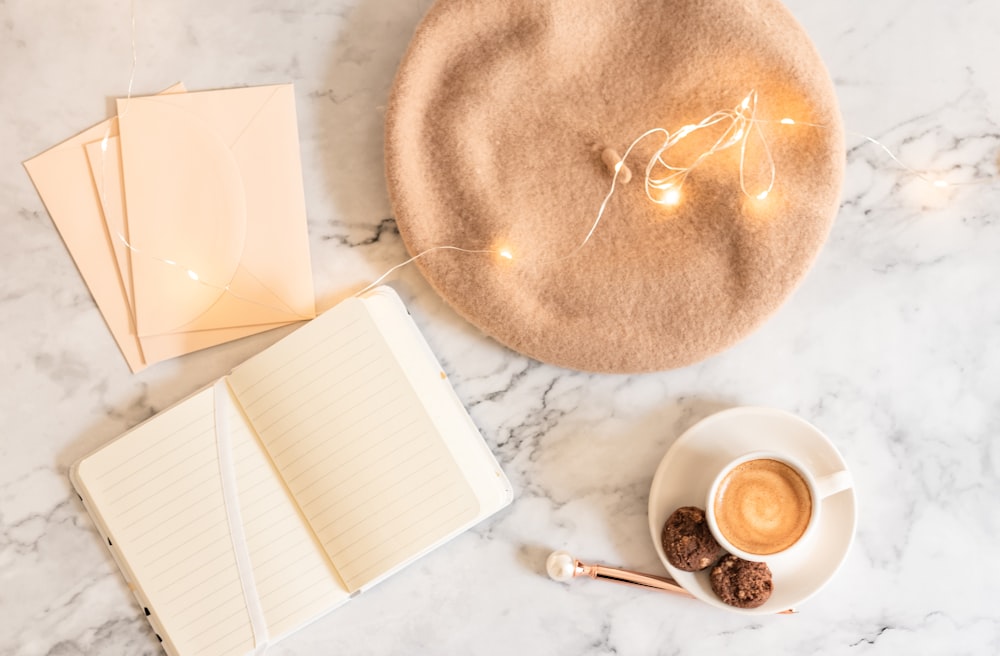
{"type": "Point", "coordinates": [940, 183]}
{"type": "Point", "coordinates": [672, 197]}
{"type": "Point", "coordinates": [762, 195]}
{"type": "Point", "coordinates": [506, 254]}
{"type": "Point", "coordinates": [787, 121]}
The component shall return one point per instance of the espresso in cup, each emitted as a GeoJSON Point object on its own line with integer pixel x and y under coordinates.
{"type": "Point", "coordinates": [762, 506]}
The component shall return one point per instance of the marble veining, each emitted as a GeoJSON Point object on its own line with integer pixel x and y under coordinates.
{"type": "Point", "coordinates": [889, 346]}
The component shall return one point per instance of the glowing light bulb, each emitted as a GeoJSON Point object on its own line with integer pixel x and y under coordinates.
{"type": "Point", "coordinates": [618, 166]}
{"type": "Point", "coordinates": [737, 136]}
{"type": "Point", "coordinates": [940, 183]}
{"type": "Point", "coordinates": [506, 254]}
{"type": "Point", "coordinates": [192, 275]}
{"type": "Point", "coordinates": [104, 144]}
{"type": "Point", "coordinates": [672, 197]}
{"type": "Point", "coordinates": [746, 103]}
{"type": "Point", "coordinates": [787, 121]}
{"type": "Point", "coordinates": [762, 195]}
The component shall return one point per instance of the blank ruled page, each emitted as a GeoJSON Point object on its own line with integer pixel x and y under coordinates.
{"type": "Point", "coordinates": [158, 494]}
{"type": "Point", "coordinates": [355, 446]}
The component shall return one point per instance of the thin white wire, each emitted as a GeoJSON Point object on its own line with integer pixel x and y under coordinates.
{"type": "Point", "coordinates": [102, 190]}
{"type": "Point", "coordinates": [420, 255]}
{"type": "Point", "coordinates": [135, 58]}
{"type": "Point", "coordinates": [937, 182]}
{"type": "Point", "coordinates": [738, 131]}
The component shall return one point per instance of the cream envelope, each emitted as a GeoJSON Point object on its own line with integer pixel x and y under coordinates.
{"type": "Point", "coordinates": [63, 180]}
{"type": "Point", "coordinates": [215, 209]}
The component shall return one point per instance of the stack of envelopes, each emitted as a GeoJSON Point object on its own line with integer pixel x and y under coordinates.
{"type": "Point", "coordinates": [186, 217]}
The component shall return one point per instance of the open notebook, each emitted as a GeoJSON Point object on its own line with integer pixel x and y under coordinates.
{"type": "Point", "coordinates": [311, 472]}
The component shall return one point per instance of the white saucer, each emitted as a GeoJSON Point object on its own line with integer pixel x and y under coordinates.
{"type": "Point", "coordinates": [687, 470]}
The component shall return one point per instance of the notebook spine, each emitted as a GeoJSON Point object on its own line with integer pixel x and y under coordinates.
{"type": "Point", "coordinates": [133, 588]}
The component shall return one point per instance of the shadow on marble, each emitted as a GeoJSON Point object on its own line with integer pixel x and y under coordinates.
{"type": "Point", "coordinates": [532, 557]}
{"type": "Point", "coordinates": [349, 127]}
{"type": "Point", "coordinates": [349, 130]}
{"type": "Point", "coordinates": [188, 375]}
{"type": "Point", "coordinates": [598, 482]}
{"type": "Point", "coordinates": [142, 406]}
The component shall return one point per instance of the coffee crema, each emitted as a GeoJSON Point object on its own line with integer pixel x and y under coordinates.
{"type": "Point", "coordinates": [762, 506]}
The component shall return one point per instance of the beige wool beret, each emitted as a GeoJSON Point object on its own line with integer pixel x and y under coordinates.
{"type": "Point", "coordinates": [497, 135]}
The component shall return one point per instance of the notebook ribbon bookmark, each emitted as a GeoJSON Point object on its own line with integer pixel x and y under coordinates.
{"type": "Point", "coordinates": [231, 498]}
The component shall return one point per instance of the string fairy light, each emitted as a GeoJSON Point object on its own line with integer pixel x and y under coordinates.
{"type": "Point", "coordinates": [940, 183]}
{"type": "Point", "coordinates": [663, 181]}
{"type": "Point", "coordinates": [190, 272]}
{"type": "Point", "coordinates": [738, 125]}
{"type": "Point", "coordinates": [505, 253]}
{"type": "Point", "coordinates": [225, 287]}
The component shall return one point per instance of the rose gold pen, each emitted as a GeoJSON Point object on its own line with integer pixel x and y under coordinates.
{"type": "Point", "coordinates": [562, 567]}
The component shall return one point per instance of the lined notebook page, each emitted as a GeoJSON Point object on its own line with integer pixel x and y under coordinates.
{"type": "Point", "coordinates": [354, 444]}
{"type": "Point", "coordinates": [158, 494]}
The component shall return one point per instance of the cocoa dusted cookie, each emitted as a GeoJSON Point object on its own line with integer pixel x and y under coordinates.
{"type": "Point", "coordinates": [687, 540]}
{"type": "Point", "coordinates": [741, 583]}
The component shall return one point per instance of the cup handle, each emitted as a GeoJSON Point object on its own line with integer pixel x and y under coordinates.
{"type": "Point", "coordinates": [832, 483]}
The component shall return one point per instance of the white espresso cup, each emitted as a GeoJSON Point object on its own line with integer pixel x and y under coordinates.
{"type": "Point", "coordinates": [764, 504]}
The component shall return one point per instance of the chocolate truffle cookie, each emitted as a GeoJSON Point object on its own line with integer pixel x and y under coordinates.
{"type": "Point", "coordinates": [741, 583]}
{"type": "Point", "coordinates": [687, 540]}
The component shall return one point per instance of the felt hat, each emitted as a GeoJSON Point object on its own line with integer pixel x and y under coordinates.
{"type": "Point", "coordinates": [497, 138]}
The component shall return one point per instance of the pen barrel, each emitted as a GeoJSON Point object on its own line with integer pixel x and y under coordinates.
{"type": "Point", "coordinates": [638, 579]}
{"type": "Point", "coordinates": [629, 577]}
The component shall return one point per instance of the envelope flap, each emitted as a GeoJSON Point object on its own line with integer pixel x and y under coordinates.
{"type": "Point", "coordinates": [186, 212]}
{"type": "Point", "coordinates": [228, 112]}
{"type": "Point", "coordinates": [281, 213]}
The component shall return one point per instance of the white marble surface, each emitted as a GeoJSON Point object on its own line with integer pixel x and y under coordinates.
{"type": "Point", "coordinates": [890, 346]}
